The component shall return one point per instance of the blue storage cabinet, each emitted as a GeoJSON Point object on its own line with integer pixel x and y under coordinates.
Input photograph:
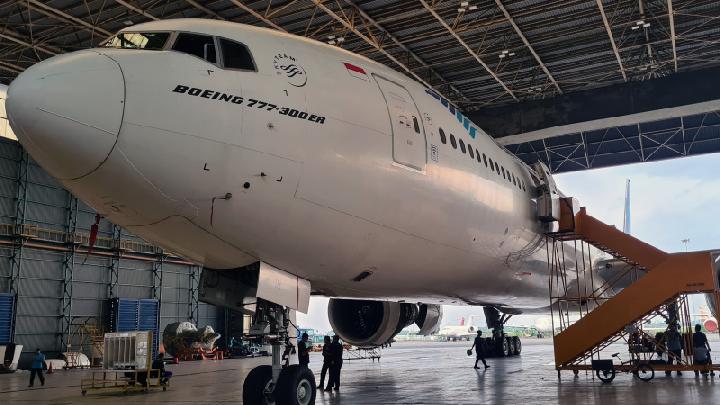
{"type": "Point", "coordinates": [131, 314]}
{"type": "Point", "coordinates": [7, 311]}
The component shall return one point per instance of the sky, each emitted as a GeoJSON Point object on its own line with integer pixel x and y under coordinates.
{"type": "Point", "coordinates": [670, 201]}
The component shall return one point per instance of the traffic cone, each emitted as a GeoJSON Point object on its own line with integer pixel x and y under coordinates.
{"type": "Point", "coordinates": [50, 369]}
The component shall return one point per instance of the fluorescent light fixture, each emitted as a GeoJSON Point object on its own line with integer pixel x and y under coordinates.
{"type": "Point", "coordinates": [331, 42]}
{"type": "Point", "coordinates": [341, 39]}
{"type": "Point", "coordinates": [472, 8]}
{"type": "Point", "coordinates": [646, 25]}
{"type": "Point", "coordinates": [635, 27]}
{"type": "Point", "coordinates": [512, 54]}
{"type": "Point", "coordinates": [640, 22]}
{"type": "Point", "coordinates": [464, 4]}
{"type": "Point", "coordinates": [502, 55]}
{"type": "Point", "coordinates": [128, 22]}
{"type": "Point", "coordinates": [460, 10]}
{"type": "Point", "coordinates": [331, 36]}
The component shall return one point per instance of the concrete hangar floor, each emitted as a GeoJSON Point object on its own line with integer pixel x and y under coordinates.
{"type": "Point", "coordinates": [408, 373]}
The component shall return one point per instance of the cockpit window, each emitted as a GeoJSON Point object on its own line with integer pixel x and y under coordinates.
{"type": "Point", "coordinates": [202, 46]}
{"type": "Point", "coordinates": [235, 55]}
{"type": "Point", "coordinates": [139, 40]}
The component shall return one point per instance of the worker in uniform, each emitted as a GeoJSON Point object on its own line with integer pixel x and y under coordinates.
{"type": "Point", "coordinates": [673, 341]}
{"type": "Point", "coordinates": [701, 349]}
{"type": "Point", "coordinates": [38, 365]}
{"type": "Point", "coordinates": [327, 361]}
{"type": "Point", "coordinates": [478, 346]}
{"type": "Point", "coordinates": [303, 353]}
{"type": "Point", "coordinates": [336, 352]}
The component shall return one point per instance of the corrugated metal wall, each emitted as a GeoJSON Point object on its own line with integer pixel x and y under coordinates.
{"type": "Point", "coordinates": [39, 321]}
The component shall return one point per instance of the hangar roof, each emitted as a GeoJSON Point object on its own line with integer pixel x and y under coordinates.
{"type": "Point", "coordinates": [484, 55]}
{"type": "Point", "coordinates": [477, 53]}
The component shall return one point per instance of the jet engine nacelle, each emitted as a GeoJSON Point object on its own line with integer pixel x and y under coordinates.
{"type": "Point", "coordinates": [365, 323]}
{"type": "Point", "coordinates": [429, 319]}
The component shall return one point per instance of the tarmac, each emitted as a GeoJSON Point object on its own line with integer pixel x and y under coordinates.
{"type": "Point", "coordinates": [407, 373]}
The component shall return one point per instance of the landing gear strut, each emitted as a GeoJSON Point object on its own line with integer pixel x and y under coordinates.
{"type": "Point", "coordinates": [498, 344]}
{"type": "Point", "coordinates": [281, 383]}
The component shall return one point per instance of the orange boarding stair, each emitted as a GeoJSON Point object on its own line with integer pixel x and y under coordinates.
{"type": "Point", "coordinates": [668, 276]}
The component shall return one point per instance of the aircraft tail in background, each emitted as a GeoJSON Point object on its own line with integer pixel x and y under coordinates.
{"type": "Point", "coordinates": [626, 213]}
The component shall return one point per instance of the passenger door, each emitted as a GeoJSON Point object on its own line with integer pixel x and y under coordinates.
{"type": "Point", "coordinates": [408, 134]}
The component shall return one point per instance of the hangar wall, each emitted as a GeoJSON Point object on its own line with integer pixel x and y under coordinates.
{"type": "Point", "coordinates": [44, 234]}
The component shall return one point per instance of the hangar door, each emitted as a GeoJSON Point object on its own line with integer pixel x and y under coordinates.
{"type": "Point", "coordinates": [407, 127]}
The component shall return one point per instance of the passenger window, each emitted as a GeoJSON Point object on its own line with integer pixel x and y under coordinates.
{"type": "Point", "coordinates": [503, 171]}
{"type": "Point", "coordinates": [416, 125]}
{"type": "Point", "coordinates": [471, 152]}
{"type": "Point", "coordinates": [236, 55]}
{"type": "Point", "coordinates": [485, 160]}
{"type": "Point", "coordinates": [462, 146]}
{"type": "Point", "coordinates": [453, 142]}
{"type": "Point", "coordinates": [202, 46]}
{"type": "Point", "coordinates": [443, 138]}
{"type": "Point", "coordinates": [492, 165]}
{"type": "Point", "coordinates": [513, 179]}
{"type": "Point", "coordinates": [497, 168]}
{"type": "Point", "coordinates": [477, 155]}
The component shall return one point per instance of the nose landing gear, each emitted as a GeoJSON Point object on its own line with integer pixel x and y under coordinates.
{"type": "Point", "coordinates": [280, 383]}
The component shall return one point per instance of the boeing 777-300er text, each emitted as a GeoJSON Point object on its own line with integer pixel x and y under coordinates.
{"type": "Point", "coordinates": [289, 167]}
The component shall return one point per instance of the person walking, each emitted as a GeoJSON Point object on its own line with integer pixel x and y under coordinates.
{"type": "Point", "coordinates": [336, 351]}
{"type": "Point", "coordinates": [673, 340]}
{"type": "Point", "coordinates": [478, 346]}
{"type": "Point", "coordinates": [327, 361]}
{"type": "Point", "coordinates": [38, 365]}
{"type": "Point", "coordinates": [303, 353]}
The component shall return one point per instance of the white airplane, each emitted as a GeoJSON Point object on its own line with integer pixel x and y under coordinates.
{"type": "Point", "coordinates": [458, 332]}
{"type": "Point", "coordinates": [288, 167]}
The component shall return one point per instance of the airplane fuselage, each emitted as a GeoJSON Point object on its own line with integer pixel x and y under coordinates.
{"type": "Point", "coordinates": [319, 162]}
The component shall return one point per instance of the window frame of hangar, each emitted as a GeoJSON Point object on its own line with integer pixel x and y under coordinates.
{"type": "Point", "coordinates": [221, 53]}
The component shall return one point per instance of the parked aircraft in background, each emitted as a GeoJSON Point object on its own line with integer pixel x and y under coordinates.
{"type": "Point", "coordinates": [453, 333]}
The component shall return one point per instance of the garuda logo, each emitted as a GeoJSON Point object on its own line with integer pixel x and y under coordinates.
{"type": "Point", "coordinates": [287, 66]}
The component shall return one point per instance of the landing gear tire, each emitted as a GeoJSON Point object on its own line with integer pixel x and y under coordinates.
{"type": "Point", "coordinates": [296, 386]}
{"type": "Point", "coordinates": [505, 347]}
{"type": "Point", "coordinates": [256, 383]}
{"type": "Point", "coordinates": [518, 345]}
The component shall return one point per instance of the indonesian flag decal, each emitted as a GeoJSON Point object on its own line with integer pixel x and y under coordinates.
{"type": "Point", "coordinates": [356, 71]}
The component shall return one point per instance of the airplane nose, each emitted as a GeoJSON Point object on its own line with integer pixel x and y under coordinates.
{"type": "Point", "coordinates": [67, 111]}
